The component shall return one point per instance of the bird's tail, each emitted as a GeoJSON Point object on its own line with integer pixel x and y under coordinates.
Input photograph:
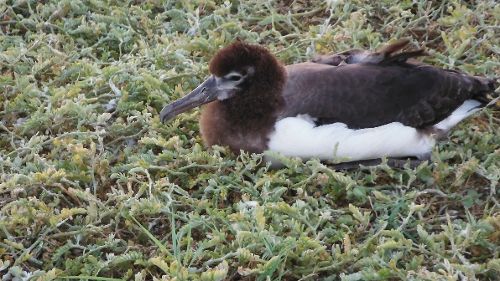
{"type": "Point", "coordinates": [468, 108]}
{"type": "Point", "coordinates": [477, 92]}
{"type": "Point", "coordinates": [485, 91]}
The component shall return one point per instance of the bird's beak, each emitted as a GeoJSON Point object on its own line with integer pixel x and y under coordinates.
{"type": "Point", "coordinates": [204, 93]}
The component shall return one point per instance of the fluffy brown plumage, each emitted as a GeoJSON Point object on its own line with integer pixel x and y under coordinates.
{"type": "Point", "coordinates": [244, 121]}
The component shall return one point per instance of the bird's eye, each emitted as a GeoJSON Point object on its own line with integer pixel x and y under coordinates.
{"type": "Point", "coordinates": [234, 77]}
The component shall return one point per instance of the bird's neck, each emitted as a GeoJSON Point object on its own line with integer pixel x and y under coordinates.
{"type": "Point", "coordinates": [252, 110]}
{"type": "Point", "coordinates": [243, 122]}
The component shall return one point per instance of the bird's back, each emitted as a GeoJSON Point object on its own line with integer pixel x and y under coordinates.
{"type": "Point", "coordinates": [369, 95]}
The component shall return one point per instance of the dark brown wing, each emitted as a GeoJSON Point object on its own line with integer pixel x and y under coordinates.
{"type": "Point", "coordinates": [369, 95]}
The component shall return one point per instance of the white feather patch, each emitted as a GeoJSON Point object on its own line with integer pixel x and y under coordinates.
{"type": "Point", "coordinates": [298, 137]}
{"type": "Point", "coordinates": [468, 108]}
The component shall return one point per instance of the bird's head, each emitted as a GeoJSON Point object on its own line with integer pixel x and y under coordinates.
{"type": "Point", "coordinates": [241, 72]}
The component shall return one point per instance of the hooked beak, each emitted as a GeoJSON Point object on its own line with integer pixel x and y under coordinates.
{"type": "Point", "coordinates": [204, 93]}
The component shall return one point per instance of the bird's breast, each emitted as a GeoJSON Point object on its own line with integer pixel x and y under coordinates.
{"type": "Point", "coordinates": [217, 128]}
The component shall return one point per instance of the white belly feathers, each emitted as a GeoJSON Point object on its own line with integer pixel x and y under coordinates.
{"type": "Point", "coordinates": [300, 137]}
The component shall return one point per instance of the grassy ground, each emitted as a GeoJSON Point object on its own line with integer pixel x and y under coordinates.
{"type": "Point", "coordinates": [93, 185]}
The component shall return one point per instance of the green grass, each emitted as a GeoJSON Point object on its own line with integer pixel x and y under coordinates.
{"type": "Point", "coordinates": [94, 187]}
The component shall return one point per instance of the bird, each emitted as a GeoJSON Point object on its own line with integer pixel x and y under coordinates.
{"type": "Point", "coordinates": [358, 106]}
